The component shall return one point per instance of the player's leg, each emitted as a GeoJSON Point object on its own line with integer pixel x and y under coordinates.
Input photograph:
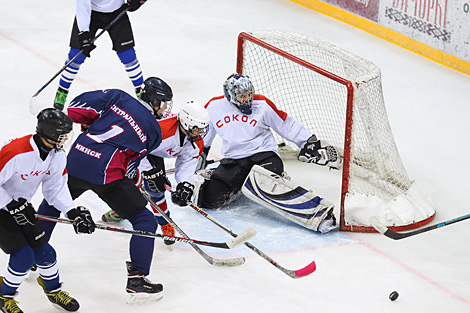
{"type": "Point", "coordinates": [290, 200]}
{"type": "Point", "coordinates": [14, 243]}
{"type": "Point", "coordinates": [46, 260]}
{"type": "Point", "coordinates": [268, 160]}
{"type": "Point", "coordinates": [126, 200]}
{"type": "Point", "coordinates": [160, 201]}
{"type": "Point", "coordinates": [132, 66]}
{"type": "Point", "coordinates": [123, 43]}
{"type": "Point", "coordinates": [68, 75]}
{"type": "Point", "coordinates": [221, 186]}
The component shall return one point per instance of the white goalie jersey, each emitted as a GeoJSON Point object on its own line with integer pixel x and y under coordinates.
{"type": "Point", "coordinates": [245, 135]}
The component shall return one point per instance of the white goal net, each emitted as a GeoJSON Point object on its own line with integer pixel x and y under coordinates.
{"type": "Point", "coordinates": [338, 97]}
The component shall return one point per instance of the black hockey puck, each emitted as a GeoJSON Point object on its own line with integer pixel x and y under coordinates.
{"type": "Point", "coordinates": [393, 296]}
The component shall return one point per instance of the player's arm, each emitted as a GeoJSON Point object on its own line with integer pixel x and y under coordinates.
{"type": "Point", "coordinates": [88, 106]}
{"type": "Point", "coordinates": [6, 172]}
{"type": "Point", "coordinates": [57, 194]}
{"type": "Point", "coordinates": [156, 177]}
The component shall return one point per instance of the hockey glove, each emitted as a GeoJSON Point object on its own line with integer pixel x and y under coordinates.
{"type": "Point", "coordinates": [202, 161]}
{"type": "Point", "coordinates": [138, 179]}
{"type": "Point", "coordinates": [84, 42]}
{"type": "Point", "coordinates": [182, 195]}
{"type": "Point", "coordinates": [84, 128]}
{"type": "Point", "coordinates": [156, 179]}
{"type": "Point", "coordinates": [23, 212]}
{"type": "Point", "coordinates": [81, 220]}
{"type": "Point", "coordinates": [320, 152]}
{"type": "Point", "coordinates": [135, 4]}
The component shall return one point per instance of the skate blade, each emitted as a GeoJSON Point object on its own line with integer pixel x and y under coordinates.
{"type": "Point", "coordinates": [143, 298]}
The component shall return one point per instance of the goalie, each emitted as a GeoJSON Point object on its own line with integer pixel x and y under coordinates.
{"type": "Point", "coordinates": [244, 121]}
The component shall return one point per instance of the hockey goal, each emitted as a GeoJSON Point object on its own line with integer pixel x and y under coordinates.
{"type": "Point", "coordinates": [338, 97]}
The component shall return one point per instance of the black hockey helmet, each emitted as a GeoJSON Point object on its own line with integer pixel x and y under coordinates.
{"type": "Point", "coordinates": [54, 125]}
{"type": "Point", "coordinates": [154, 92]}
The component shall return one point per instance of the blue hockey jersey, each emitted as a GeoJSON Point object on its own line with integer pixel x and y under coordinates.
{"type": "Point", "coordinates": [121, 130]}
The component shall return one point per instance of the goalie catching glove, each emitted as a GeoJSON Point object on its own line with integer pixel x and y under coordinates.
{"type": "Point", "coordinates": [182, 195]}
{"type": "Point", "coordinates": [156, 179]}
{"type": "Point", "coordinates": [81, 220]}
{"type": "Point", "coordinates": [320, 152]}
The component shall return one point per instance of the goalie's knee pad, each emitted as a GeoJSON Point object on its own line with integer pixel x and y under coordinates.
{"type": "Point", "coordinates": [282, 196]}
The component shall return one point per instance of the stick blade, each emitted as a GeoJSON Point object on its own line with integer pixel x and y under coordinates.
{"type": "Point", "coordinates": [307, 270]}
{"type": "Point", "coordinates": [246, 235]}
{"type": "Point", "coordinates": [33, 107]}
{"type": "Point", "coordinates": [374, 222]}
{"type": "Point", "coordinates": [228, 262]}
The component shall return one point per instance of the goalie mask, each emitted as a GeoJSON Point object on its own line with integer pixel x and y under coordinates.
{"type": "Point", "coordinates": [194, 119]}
{"type": "Point", "coordinates": [55, 127]}
{"type": "Point", "coordinates": [239, 91]}
{"type": "Point", "coordinates": [158, 95]}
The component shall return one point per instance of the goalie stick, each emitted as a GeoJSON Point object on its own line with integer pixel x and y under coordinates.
{"type": "Point", "coordinates": [305, 271]}
{"type": "Point", "coordinates": [223, 245]}
{"type": "Point", "coordinates": [208, 258]}
{"type": "Point", "coordinates": [32, 103]}
{"type": "Point", "coordinates": [396, 236]}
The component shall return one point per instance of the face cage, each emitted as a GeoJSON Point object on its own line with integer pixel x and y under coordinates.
{"type": "Point", "coordinates": [202, 133]}
{"type": "Point", "coordinates": [244, 100]}
{"type": "Point", "coordinates": [64, 141]}
{"type": "Point", "coordinates": [164, 113]}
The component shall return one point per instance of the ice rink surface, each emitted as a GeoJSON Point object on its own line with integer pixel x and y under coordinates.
{"type": "Point", "coordinates": [192, 45]}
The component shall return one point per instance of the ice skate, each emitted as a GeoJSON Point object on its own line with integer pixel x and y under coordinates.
{"type": "Point", "coordinates": [111, 217]}
{"type": "Point", "coordinates": [60, 98]}
{"type": "Point", "coordinates": [59, 298]}
{"type": "Point", "coordinates": [9, 305]}
{"type": "Point", "coordinates": [140, 288]}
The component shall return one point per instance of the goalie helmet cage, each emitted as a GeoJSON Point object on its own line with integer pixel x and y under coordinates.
{"type": "Point", "coordinates": [338, 96]}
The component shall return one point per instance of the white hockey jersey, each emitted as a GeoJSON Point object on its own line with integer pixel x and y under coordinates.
{"type": "Point", "coordinates": [84, 8]}
{"type": "Point", "coordinates": [22, 171]}
{"type": "Point", "coordinates": [186, 154]}
{"type": "Point", "coordinates": [245, 135]}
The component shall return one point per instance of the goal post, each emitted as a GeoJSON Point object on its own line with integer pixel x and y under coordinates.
{"type": "Point", "coordinates": [338, 97]}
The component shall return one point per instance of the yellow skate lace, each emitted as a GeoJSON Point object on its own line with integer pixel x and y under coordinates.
{"type": "Point", "coordinates": [10, 305]}
{"type": "Point", "coordinates": [60, 297]}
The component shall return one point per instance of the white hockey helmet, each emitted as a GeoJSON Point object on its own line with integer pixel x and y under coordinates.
{"type": "Point", "coordinates": [239, 90]}
{"type": "Point", "coordinates": [194, 119]}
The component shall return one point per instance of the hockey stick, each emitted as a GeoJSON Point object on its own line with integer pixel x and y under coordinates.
{"type": "Point", "coordinates": [208, 258]}
{"type": "Point", "coordinates": [396, 236]}
{"type": "Point", "coordinates": [173, 170]}
{"type": "Point", "coordinates": [223, 245]}
{"type": "Point", "coordinates": [33, 108]}
{"type": "Point", "coordinates": [307, 270]}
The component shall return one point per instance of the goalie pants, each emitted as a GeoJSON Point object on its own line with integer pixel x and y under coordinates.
{"type": "Point", "coordinates": [227, 179]}
{"type": "Point", "coordinates": [124, 198]}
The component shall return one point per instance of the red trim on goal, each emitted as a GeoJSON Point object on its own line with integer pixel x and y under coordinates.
{"type": "Point", "coordinates": [366, 229]}
{"type": "Point", "coordinates": [349, 109]}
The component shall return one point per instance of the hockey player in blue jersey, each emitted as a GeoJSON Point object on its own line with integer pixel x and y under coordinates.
{"type": "Point", "coordinates": [121, 130]}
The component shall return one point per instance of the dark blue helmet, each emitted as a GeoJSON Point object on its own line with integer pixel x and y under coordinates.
{"type": "Point", "coordinates": [154, 92]}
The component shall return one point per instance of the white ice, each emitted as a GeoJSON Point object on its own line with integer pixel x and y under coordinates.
{"type": "Point", "coordinates": [192, 45]}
